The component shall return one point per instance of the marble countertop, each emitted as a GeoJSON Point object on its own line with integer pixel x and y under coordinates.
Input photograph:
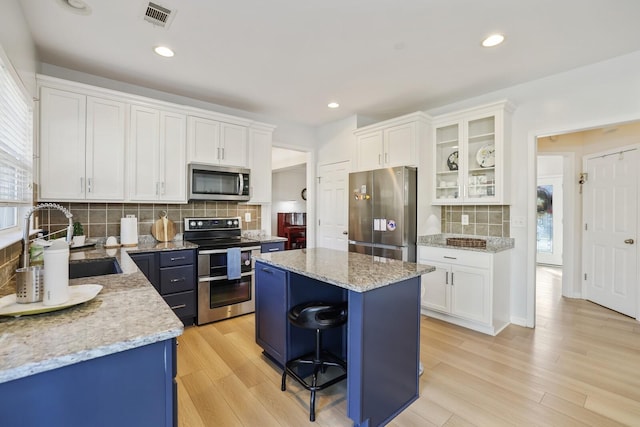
{"type": "Point", "coordinates": [348, 270]}
{"type": "Point", "coordinates": [126, 314]}
{"type": "Point", "coordinates": [261, 237]}
{"type": "Point", "coordinates": [494, 244]}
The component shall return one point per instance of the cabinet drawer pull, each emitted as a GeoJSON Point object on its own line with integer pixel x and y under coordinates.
{"type": "Point", "coordinates": [176, 307]}
{"type": "Point", "coordinates": [452, 278]}
{"type": "Point", "coordinates": [446, 278]}
{"type": "Point", "coordinates": [267, 270]}
{"type": "Point", "coordinates": [450, 257]}
{"type": "Point", "coordinates": [274, 249]}
{"type": "Point", "coordinates": [180, 279]}
{"type": "Point", "coordinates": [178, 258]}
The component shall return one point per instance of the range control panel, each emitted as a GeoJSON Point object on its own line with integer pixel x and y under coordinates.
{"type": "Point", "coordinates": [203, 224]}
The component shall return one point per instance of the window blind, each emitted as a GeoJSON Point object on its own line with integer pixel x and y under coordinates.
{"type": "Point", "coordinates": [16, 148]}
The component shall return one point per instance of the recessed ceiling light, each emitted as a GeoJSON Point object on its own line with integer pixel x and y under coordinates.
{"type": "Point", "coordinates": [163, 51]}
{"type": "Point", "coordinates": [77, 6]}
{"type": "Point", "coordinates": [333, 105]}
{"type": "Point", "coordinates": [493, 40]}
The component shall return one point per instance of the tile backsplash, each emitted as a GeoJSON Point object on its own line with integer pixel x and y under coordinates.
{"type": "Point", "coordinates": [101, 220]}
{"type": "Point", "coordinates": [9, 262]}
{"type": "Point", "coordinates": [491, 221]}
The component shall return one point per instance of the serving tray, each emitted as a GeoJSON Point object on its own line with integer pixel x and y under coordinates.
{"type": "Point", "coordinates": [77, 295]}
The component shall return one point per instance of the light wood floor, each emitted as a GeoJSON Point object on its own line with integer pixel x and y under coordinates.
{"type": "Point", "coordinates": [579, 366]}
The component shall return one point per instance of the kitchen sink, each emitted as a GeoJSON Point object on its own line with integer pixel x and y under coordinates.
{"type": "Point", "coordinates": [96, 267]}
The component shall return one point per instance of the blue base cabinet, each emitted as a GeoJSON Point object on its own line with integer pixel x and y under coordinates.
{"type": "Point", "coordinates": [174, 275]}
{"type": "Point", "coordinates": [381, 341]}
{"type": "Point", "coordinates": [131, 388]}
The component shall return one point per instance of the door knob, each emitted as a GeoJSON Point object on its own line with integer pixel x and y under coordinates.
{"type": "Point", "coordinates": [345, 232]}
{"type": "Point", "coordinates": [629, 241]}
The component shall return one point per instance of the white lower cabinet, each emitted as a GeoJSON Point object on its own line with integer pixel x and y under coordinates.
{"type": "Point", "coordinates": [468, 288]}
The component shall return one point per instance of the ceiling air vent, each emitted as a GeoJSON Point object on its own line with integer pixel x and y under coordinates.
{"type": "Point", "coordinates": [158, 15]}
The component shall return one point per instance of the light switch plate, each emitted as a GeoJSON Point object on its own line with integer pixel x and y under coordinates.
{"type": "Point", "coordinates": [465, 219]}
{"type": "Point", "coordinates": [247, 217]}
{"type": "Point", "coordinates": [518, 221]}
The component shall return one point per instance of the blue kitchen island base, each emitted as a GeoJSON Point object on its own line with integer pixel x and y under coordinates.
{"type": "Point", "coordinates": [130, 388]}
{"type": "Point", "coordinates": [381, 341]}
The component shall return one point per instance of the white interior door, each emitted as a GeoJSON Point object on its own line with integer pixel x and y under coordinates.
{"type": "Point", "coordinates": [549, 220]}
{"type": "Point", "coordinates": [610, 226]}
{"type": "Point", "coordinates": [333, 206]}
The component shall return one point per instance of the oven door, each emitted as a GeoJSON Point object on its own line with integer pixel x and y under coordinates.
{"type": "Point", "coordinates": [220, 298]}
{"type": "Point", "coordinates": [213, 263]}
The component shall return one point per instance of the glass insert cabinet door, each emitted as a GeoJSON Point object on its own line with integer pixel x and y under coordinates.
{"type": "Point", "coordinates": [481, 158]}
{"type": "Point", "coordinates": [448, 162]}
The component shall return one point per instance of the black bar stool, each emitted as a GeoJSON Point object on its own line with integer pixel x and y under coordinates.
{"type": "Point", "coordinates": [318, 316]}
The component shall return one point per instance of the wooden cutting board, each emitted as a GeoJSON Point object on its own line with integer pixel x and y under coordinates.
{"type": "Point", "coordinates": [163, 230]}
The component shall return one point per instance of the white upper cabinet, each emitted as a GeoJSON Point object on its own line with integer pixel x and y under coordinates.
{"type": "Point", "coordinates": [97, 144]}
{"type": "Point", "coordinates": [390, 143]}
{"type": "Point", "coordinates": [82, 147]}
{"type": "Point", "coordinates": [260, 164]}
{"type": "Point", "coordinates": [218, 143]}
{"type": "Point", "coordinates": [157, 159]}
{"type": "Point", "coordinates": [470, 156]}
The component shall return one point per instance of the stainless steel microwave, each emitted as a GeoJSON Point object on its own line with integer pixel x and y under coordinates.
{"type": "Point", "coordinates": [210, 182]}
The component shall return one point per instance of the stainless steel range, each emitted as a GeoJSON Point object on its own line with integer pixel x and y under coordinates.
{"type": "Point", "coordinates": [225, 267]}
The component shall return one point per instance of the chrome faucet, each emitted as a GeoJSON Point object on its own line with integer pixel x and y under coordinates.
{"type": "Point", "coordinates": [27, 218]}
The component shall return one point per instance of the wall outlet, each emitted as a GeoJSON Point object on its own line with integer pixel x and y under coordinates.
{"type": "Point", "coordinates": [465, 219]}
{"type": "Point", "coordinates": [247, 217]}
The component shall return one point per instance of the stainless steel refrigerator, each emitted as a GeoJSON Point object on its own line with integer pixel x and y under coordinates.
{"type": "Point", "coordinates": [382, 213]}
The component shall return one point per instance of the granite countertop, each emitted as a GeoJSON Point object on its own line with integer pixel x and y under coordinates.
{"type": "Point", "coordinates": [494, 244]}
{"type": "Point", "coordinates": [127, 313]}
{"type": "Point", "coordinates": [262, 237]}
{"type": "Point", "coordinates": [348, 270]}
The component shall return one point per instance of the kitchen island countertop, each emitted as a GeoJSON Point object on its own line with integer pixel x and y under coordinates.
{"type": "Point", "coordinates": [127, 313]}
{"type": "Point", "coordinates": [348, 270]}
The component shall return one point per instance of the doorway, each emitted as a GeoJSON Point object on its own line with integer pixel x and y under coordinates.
{"type": "Point", "coordinates": [549, 210]}
{"type": "Point", "coordinates": [574, 147]}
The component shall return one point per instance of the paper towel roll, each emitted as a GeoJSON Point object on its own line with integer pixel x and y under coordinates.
{"type": "Point", "coordinates": [129, 231]}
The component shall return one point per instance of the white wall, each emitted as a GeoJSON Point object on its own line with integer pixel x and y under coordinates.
{"type": "Point", "coordinates": [18, 44]}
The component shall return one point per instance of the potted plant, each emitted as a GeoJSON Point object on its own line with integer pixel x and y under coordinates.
{"type": "Point", "coordinates": [78, 234]}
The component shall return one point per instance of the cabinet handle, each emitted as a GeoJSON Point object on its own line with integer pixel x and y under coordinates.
{"type": "Point", "coordinates": [274, 249]}
{"type": "Point", "coordinates": [178, 258]}
{"type": "Point", "coordinates": [379, 159]}
{"type": "Point", "coordinates": [164, 188]}
{"type": "Point", "coordinates": [180, 279]}
{"type": "Point", "coordinates": [88, 185]}
{"type": "Point", "coordinates": [157, 188]}
{"type": "Point", "coordinates": [267, 270]}
{"type": "Point", "coordinates": [218, 153]}
{"type": "Point", "coordinates": [175, 307]}
{"type": "Point", "coordinates": [452, 278]}
{"type": "Point", "coordinates": [446, 280]}
{"type": "Point", "coordinates": [449, 257]}
{"type": "Point", "coordinates": [81, 184]}
{"type": "Point", "coordinates": [222, 153]}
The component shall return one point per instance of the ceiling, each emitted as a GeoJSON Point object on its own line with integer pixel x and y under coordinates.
{"type": "Point", "coordinates": [289, 58]}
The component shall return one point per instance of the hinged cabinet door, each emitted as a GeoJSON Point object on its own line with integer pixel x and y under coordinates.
{"type": "Point", "coordinates": [106, 135]}
{"type": "Point", "coordinates": [370, 151]}
{"type": "Point", "coordinates": [203, 140]}
{"type": "Point", "coordinates": [471, 293]}
{"type": "Point", "coordinates": [173, 164]}
{"type": "Point", "coordinates": [436, 293]}
{"type": "Point", "coordinates": [62, 145]}
{"type": "Point", "coordinates": [400, 146]}
{"type": "Point", "coordinates": [233, 145]}
{"type": "Point", "coordinates": [144, 154]}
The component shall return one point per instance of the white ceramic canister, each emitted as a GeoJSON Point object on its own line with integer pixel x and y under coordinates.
{"type": "Point", "coordinates": [56, 276]}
